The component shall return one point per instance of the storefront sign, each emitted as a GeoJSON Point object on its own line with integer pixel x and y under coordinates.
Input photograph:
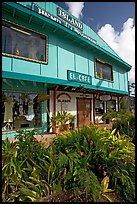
{"type": "Point", "coordinates": [79, 77]}
{"type": "Point", "coordinates": [67, 22]}
{"type": "Point", "coordinates": [105, 97]}
{"type": "Point", "coordinates": [69, 19]}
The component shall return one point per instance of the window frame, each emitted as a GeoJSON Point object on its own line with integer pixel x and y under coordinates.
{"type": "Point", "coordinates": [18, 26]}
{"type": "Point", "coordinates": [102, 67]}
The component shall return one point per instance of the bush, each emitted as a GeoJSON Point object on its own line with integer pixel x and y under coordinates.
{"type": "Point", "coordinates": [81, 160]}
{"type": "Point", "coordinates": [125, 124]}
{"type": "Point", "coordinates": [115, 158]}
{"type": "Point", "coordinates": [21, 170]}
{"type": "Point", "coordinates": [109, 115]}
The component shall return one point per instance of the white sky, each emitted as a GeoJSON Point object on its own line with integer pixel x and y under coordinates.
{"type": "Point", "coordinates": [123, 43]}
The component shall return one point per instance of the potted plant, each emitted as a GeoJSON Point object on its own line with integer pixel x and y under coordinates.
{"type": "Point", "coordinates": [60, 122]}
{"type": "Point", "coordinates": [109, 115]}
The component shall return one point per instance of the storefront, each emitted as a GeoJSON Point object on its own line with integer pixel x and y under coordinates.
{"type": "Point", "coordinates": [51, 61]}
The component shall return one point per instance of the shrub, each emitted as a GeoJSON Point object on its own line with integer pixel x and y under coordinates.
{"type": "Point", "coordinates": [99, 151]}
{"type": "Point", "coordinates": [125, 124]}
{"type": "Point", "coordinates": [21, 170]}
{"type": "Point", "coordinates": [81, 160]}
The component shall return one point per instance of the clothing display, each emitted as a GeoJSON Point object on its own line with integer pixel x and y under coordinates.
{"type": "Point", "coordinates": [30, 114]}
{"type": "Point", "coordinates": [32, 52]}
{"type": "Point", "coordinates": [20, 110]}
{"type": "Point", "coordinates": [8, 115]}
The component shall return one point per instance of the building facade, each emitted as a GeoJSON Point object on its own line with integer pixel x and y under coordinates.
{"type": "Point", "coordinates": [52, 62]}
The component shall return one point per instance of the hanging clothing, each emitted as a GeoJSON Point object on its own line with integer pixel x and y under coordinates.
{"type": "Point", "coordinates": [30, 114]}
{"type": "Point", "coordinates": [8, 115]}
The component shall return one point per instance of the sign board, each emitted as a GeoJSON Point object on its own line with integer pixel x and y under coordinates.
{"type": "Point", "coordinates": [62, 14]}
{"type": "Point", "coordinates": [78, 77]}
{"type": "Point", "coordinates": [105, 97]}
{"type": "Point", "coordinates": [64, 20]}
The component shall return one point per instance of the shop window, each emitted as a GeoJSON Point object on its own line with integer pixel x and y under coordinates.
{"type": "Point", "coordinates": [20, 110]}
{"type": "Point", "coordinates": [111, 104]}
{"type": "Point", "coordinates": [103, 70]}
{"type": "Point", "coordinates": [99, 107]}
{"type": "Point", "coordinates": [23, 43]}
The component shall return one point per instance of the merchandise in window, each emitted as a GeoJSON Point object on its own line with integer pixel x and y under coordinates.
{"type": "Point", "coordinates": [103, 70]}
{"type": "Point", "coordinates": [111, 104]}
{"type": "Point", "coordinates": [20, 110]}
{"type": "Point", "coordinates": [23, 43]}
{"type": "Point", "coordinates": [99, 107]}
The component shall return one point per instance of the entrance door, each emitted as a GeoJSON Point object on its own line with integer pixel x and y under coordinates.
{"type": "Point", "coordinates": [83, 111]}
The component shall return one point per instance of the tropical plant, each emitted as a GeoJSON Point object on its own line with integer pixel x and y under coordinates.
{"type": "Point", "coordinates": [115, 155]}
{"type": "Point", "coordinates": [109, 115]}
{"type": "Point", "coordinates": [61, 121]}
{"type": "Point", "coordinates": [76, 161]}
{"type": "Point", "coordinates": [21, 173]}
{"type": "Point", "coordinates": [125, 124]}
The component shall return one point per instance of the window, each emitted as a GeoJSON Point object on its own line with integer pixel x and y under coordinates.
{"type": "Point", "coordinates": [23, 43]}
{"type": "Point", "coordinates": [103, 70]}
{"type": "Point", "coordinates": [111, 104]}
{"type": "Point", "coordinates": [99, 107]}
{"type": "Point", "coordinates": [20, 110]}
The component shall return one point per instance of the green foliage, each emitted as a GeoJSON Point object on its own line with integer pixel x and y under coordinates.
{"type": "Point", "coordinates": [61, 119]}
{"type": "Point", "coordinates": [124, 105]}
{"type": "Point", "coordinates": [21, 173]}
{"type": "Point", "coordinates": [110, 114]}
{"type": "Point", "coordinates": [80, 160]}
{"type": "Point", "coordinates": [125, 124]}
{"type": "Point", "coordinates": [116, 152]}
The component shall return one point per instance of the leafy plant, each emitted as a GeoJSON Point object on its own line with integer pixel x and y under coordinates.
{"type": "Point", "coordinates": [61, 120]}
{"type": "Point", "coordinates": [81, 160]}
{"type": "Point", "coordinates": [110, 114]}
{"type": "Point", "coordinates": [125, 124]}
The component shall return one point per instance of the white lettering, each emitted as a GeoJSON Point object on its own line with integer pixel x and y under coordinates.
{"type": "Point", "coordinates": [79, 77]}
{"type": "Point", "coordinates": [74, 76]}
{"type": "Point", "coordinates": [83, 77]}
{"type": "Point", "coordinates": [71, 76]}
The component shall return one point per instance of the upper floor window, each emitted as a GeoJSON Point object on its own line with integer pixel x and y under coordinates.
{"type": "Point", "coordinates": [23, 43]}
{"type": "Point", "coordinates": [103, 70]}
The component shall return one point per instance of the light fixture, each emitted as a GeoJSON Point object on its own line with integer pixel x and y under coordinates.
{"type": "Point", "coordinates": [22, 31]}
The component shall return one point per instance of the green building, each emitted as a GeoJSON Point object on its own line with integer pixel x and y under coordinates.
{"type": "Point", "coordinates": [52, 61]}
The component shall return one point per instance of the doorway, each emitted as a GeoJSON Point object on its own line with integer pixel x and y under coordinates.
{"type": "Point", "coordinates": [83, 111]}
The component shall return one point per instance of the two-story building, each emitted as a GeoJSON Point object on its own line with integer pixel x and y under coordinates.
{"type": "Point", "coordinates": [52, 61]}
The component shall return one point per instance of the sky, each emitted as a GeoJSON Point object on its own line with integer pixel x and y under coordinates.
{"type": "Point", "coordinates": [113, 19]}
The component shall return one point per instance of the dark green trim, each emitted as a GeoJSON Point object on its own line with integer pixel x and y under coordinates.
{"type": "Point", "coordinates": [97, 47]}
{"type": "Point", "coordinates": [43, 79]}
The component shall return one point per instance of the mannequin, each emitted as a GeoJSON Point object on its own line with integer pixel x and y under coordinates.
{"type": "Point", "coordinates": [32, 51]}
{"type": "Point", "coordinates": [8, 115]}
{"type": "Point", "coordinates": [30, 114]}
{"type": "Point", "coordinates": [16, 50]}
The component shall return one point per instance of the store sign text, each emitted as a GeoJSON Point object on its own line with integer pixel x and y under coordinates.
{"type": "Point", "coordinates": [67, 22]}
{"type": "Point", "coordinates": [69, 19]}
{"type": "Point", "coordinates": [78, 77]}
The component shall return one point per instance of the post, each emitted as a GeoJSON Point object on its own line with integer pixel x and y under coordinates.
{"type": "Point", "coordinates": [55, 93]}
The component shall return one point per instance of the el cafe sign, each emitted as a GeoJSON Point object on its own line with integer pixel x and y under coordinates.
{"type": "Point", "coordinates": [78, 77]}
